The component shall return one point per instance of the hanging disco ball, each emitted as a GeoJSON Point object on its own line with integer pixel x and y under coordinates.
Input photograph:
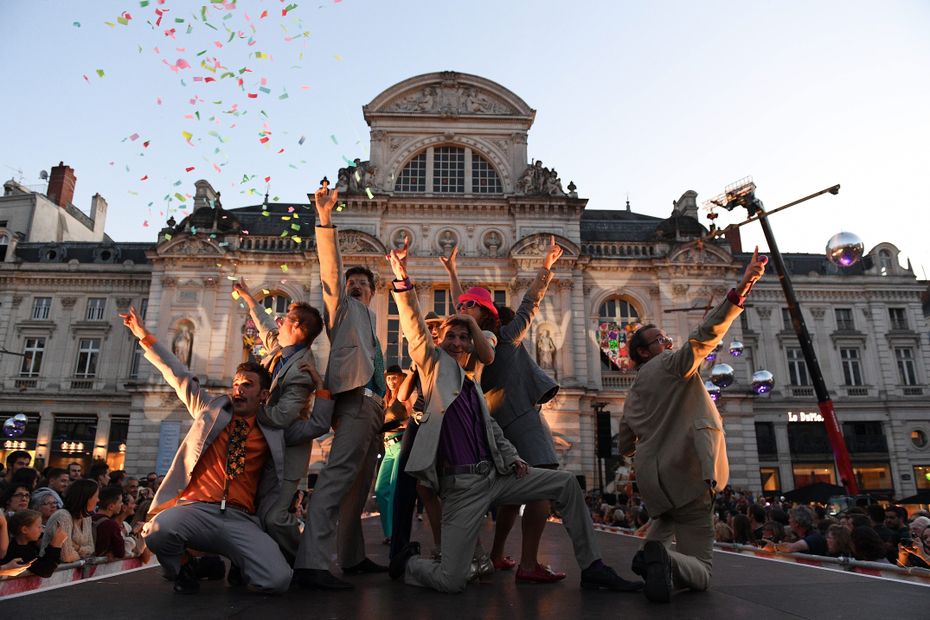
{"type": "Point", "coordinates": [11, 429]}
{"type": "Point", "coordinates": [845, 249]}
{"type": "Point", "coordinates": [712, 390]}
{"type": "Point", "coordinates": [762, 382]}
{"type": "Point", "coordinates": [713, 354]}
{"type": "Point", "coordinates": [21, 420]}
{"type": "Point", "coordinates": [736, 348]}
{"type": "Point", "coordinates": [721, 375]}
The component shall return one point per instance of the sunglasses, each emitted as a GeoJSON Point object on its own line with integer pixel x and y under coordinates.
{"type": "Point", "coordinates": [665, 341]}
{"type": "Point", "coordinates": [471, 303]}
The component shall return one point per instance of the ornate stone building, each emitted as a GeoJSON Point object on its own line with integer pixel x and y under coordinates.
{"type": "Point", "coordinates": [449, 168]}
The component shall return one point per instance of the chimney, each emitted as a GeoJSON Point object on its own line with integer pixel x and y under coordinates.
{"type": "Point", "coordinates": [735, 240]}
{"type": "Point", "coordinates": [61, 183]}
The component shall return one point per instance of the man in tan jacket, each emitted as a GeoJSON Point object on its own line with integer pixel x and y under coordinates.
{"type": "Point", "coordinates": [673, 426]}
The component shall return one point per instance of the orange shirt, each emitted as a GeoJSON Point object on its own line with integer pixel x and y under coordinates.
{"type": "Point", "coordinates": [209, 475]}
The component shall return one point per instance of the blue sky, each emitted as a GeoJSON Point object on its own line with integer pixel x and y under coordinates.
{"type": "Point", "coordinates": [638, 99]}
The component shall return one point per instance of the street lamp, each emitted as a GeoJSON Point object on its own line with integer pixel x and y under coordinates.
{"type": "Point", "coordinates": [742, 194]}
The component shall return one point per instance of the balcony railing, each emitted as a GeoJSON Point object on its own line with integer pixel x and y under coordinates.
{"type": "Point", "coordinates": [804, 391]}
{"type": "Point", "coordinates": [867, 443]}
{"type": "Point", "coordinates": [617, 381]}
{"type": "Point", "coordinates": [912, 391]}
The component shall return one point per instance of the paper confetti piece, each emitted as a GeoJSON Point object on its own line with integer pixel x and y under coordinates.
{"type": "Point", "coordinates": [333, 138]}
{"type": "Point", "coordinates": [76, 24]}
{"type": "Point", "coordinates": [100, 72]}
{"type": "Point", "coordinates": [180, 197]}
{"type": "Point", "coordinates": [232, 278]}
{"type": "Point", "coordinates": [145, 178]}
{"type": "Point", "coordinates": [189, 168]}
{"type": "Point", "coordinates": [145, 223]}
{"type": "Point", "coordinates": [296, 239]}
{"type": "Point", "coordinates": [187, 136]}
{"type": "Point", "coordinates": [134, 137]}
{"type": "Point", "coordinates": [370, 195]}
{"type": "Point", "coordinates": [236, 295]}
{"type": "Point", "coordinates": [301, 141]}
{"type": "Point", "coordinates": [284, 268]}
{"type": "Point", "coordinates": [270, 310]}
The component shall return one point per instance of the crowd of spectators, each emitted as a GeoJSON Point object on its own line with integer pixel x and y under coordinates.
{"type": "Point", "coordinates": [885, 534]}
{"type": "Point", "coordinates": [64, 515]}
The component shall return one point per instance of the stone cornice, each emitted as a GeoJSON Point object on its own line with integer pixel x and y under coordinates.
{"type": "Point", "coordinates": [851, 291]}
{"type": "Point", "coordinates": [78, 281]}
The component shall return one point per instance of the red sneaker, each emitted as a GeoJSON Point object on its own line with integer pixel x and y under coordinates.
{"type": "Point", "coordinates": [505, 563]}
{"type": "Point", "coordinates": [540, 574]}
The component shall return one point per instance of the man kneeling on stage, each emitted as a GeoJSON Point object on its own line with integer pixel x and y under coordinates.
{"type": "Point", "coordinates": [227, 472]}
{"type": "Point", "coordinates": [462, 452]}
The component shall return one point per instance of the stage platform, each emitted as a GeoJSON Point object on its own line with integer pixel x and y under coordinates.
{"type": "Point", "coordinates": [743, 587]}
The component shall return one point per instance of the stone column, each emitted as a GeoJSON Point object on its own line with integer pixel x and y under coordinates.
{"type": "Point", "coordinates": [785, 470]}
{"type": "Point", "coordinates": [102, 438]}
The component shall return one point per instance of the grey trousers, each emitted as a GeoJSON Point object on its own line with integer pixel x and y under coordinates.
{"type": "Point", "coordinates": [343, 485]}
{"type": "Point", "coordinates": [281, 524]}
{"type": "Point", "coordinates": [233, 533]}
{"type": "Point", "coordinates": [692, 527]}
{"type": "Point", "coordinates": [465, 500]}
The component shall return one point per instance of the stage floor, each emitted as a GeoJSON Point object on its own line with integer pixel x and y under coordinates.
{"type": "Point", "coordinates": [743, 587]}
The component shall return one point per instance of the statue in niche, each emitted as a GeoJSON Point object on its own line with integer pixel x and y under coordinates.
{"type": "Point", "coordinates": [545, 350]}
{"type": "Point", "coordinates": [492, 241]}
{"type": "Point", "coordinates": [398, 239]}
{"type": "Point", "coordinates": [183, 343]}
{"type": "Point", "coordinates": [447, 242]}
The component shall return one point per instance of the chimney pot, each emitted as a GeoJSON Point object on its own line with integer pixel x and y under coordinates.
{"type": "Point", "coordinates": [61, 182]}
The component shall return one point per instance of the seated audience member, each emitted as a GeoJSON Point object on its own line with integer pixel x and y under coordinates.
{"type": "Point", "coordinates": [45, 501]}
{"type": "Point", "coordinates": [810, 540]}
{"type": "Point", "coordinates": [742, 529]}
{"type": "Point", "coordinates": [108, 533]}
{"type": "Point", "coordinates": [223, 481]}
{"type": "Point", "coordinates": [25, 530]}
{"type": "Point", "coordinates": [723, 533]}
{"type": "Point", "coordinates": [15, 498]}
{"type": "Point", "coordinates": [99, 472]}
{"type": "Point", "coordinates": [839, 542]}
{"type": "Point", "coordinates": [868, 546]}
{"type": "Point", "coordinates": [74, 519]}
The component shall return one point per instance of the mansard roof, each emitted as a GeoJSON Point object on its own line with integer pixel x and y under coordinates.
{"type": "Point", "coordinates": [271, 225]}
{"type": "Point", "coordinates": [803, 264]}
{"type": "Point", "coordinates": [604, 225]}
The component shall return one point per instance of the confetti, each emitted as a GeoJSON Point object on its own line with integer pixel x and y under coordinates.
{"type": "Point", "coordinates": [187, 136]}
{"type": "Point", "coordinates": [284, 268]}
{"type": "Point", "coordinates": [333, 138]}
{"type": "Point", "coordinates": [76, 24]}
{"type": "Point", "coordinates": [100, 72]}
{"type": "Point", "coordinates": [270, 310]}
{"type": "Point", "coordinates": [301, 141]}
{"type": "Point", "coordinates": [189, 168]}
{"type": "Point", "coordinates": [370, 195]}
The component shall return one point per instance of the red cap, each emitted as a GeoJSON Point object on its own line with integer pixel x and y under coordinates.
{"type": "Point", "coordinates": [480, 296]}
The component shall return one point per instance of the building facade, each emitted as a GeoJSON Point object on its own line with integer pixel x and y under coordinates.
{"type": "Point", "coordinates": [449, 168]}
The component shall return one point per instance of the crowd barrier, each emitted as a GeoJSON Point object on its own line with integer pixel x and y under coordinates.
{"type": "Point", "coordinates": [875, 569]}
{"type": "Point", "coordinates": [68, 573]}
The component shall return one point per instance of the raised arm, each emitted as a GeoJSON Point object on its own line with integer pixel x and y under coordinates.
{"type": "Point", "coordinates": [327, 248]}
{"type": "Point", "coordinates": [483, 342]}
{"type": "Point", "coordinates": [454, 284]}
{"type": "Point", "coordinates": [686, 360]}
{"type": "Point", "coordinates": [267, 328]}
{"type": "Point", "coordinates": [419, 340]}
{"type": "Point", "coordinates": [408, 386]}
{"type": "Point", "coordinates": [176, 374]}
{"type": "Point", "coordinates": [517, 329]}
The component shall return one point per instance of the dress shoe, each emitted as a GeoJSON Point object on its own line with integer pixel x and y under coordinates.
{"type": "Point", "coordinates": [318, 579]}
{"type": "Point", "coordinates": [604, 577]}
{"type": "Point", "coordinates": [539, 574]}
{"type": "Point", "coordinates": [399, 562]}
{"type": "Point", "coordinates": [658, 572]}
{"type": "Point", "coordinates": [234, 577]}
{"type": "Point", "coordinates": [364, 567]}
{"type": "Point", "coordinates": [505, 563]}
{"type": "Point", "coordinates": [186, 581]}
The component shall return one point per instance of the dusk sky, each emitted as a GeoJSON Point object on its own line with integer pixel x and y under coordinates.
{"type": "Point", "coordinates": [644, 100]}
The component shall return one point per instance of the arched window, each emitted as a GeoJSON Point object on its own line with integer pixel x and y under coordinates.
{"type": "Point", "coordinates": [276, 305]}
{"type": "Point", "coordinates": [885, 262]}
{"type": "Point", "coordinates": [617, 320]}
{"type": "Point", "coordinates": [449, 170]}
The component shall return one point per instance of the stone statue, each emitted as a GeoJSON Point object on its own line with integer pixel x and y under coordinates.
{"type": "Point", "coordinates": [537, 180]}
{"type": "Point", "coordinates": [183, 343]}
{"type": "Point", "coordinates": [554, 184]}
{"type": "Point", "coordinates": [492, 241]}
{"type": "Point", "coordinates": [447, 242]}
{"type": "Point", "coordinates": [545, 350]}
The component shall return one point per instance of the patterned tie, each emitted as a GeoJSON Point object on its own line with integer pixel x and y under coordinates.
{"type": "Point", "coordinates": [274, 362]}
{"type": "Point", "coordinates": [235, 449]}
{"type": "Point", "coordinates": [378, 376]}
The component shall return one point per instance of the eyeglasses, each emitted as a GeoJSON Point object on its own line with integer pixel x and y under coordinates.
{"type": "Point", "coordinates": [665, 341]}
{"type": "Point", "coordinates": [470, 303]}
{"type": "Point", "coordinates": [22, 495]}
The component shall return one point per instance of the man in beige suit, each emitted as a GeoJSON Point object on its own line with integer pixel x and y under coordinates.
{"type": "Point", "coordinates": [674, 428]}
{"type": "Point", "coordinates": [461, 452]}
{"type": "Point", "coordinates": [355, 377]}
{"type": "Point", "coordinates": [294, 378]}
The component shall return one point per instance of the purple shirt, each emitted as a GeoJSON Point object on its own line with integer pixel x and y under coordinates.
{"type": "Point", "coordinates": [463, 439]}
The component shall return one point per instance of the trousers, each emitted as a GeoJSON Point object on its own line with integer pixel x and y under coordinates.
{"type": "Point", "coordinates": [692, 527]}
{"type": "Point", "coordinates": [465, 500]}
{"type": "Point", "coordinates": [386, 481]}
{"type": "Point", "coordinates": [405, 493]}
{"type": "Point", "coordinates": [334, 516]}
{"type": "Point", "coordinates": [234, 533]}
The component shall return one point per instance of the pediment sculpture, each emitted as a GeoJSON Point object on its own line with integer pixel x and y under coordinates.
{"type": "Point", "coordinates": [538, 180]}
{"type": "Point", "coordinates": [450, 99]}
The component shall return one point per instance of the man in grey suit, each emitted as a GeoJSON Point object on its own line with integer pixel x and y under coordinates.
{"type": "Point", "coordinates": [293, 379]}
{"type": "Point", "coordinates": [461, 452]}
{"type": "Point", "coordinates": [223, 479]}
{"type": "Point", "coordinates": [673, 426]}
{"type": "Point", "coordinates": [355, 377]}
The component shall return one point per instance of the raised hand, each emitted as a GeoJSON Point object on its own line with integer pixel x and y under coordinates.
{"type": "Point", "coordinates": [134, 323]}
{"type": "Point", "coordinates": [398, 260]}
{"type": "Point", "coordinates": [754, 271]}
{"type": "Point", "coordinates": [553, 254]}
{"type": "Point", "coordinates": [242, 288]}
{"type": "Point", "coordinates": [449, 263]}
{"type": "Point", "coordinates": [59, 537]}
{"type": "Point", "coordinates": [325, 200]}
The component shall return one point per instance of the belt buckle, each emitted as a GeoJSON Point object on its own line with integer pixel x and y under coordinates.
{"type": "Point", "coordinates": [483, 468]}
